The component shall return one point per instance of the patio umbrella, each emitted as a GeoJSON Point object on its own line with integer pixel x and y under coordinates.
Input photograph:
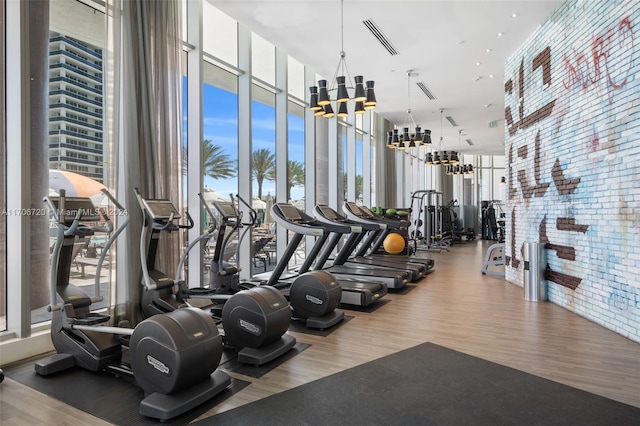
{"type": "Point", "coordinates": [258, 204]}
{"type": "Point", "coordinates": [77, 185]}
{"type": "Point", "coordinates": [267, 207]}
{"type": "Point", "coordinates": [211, 195]}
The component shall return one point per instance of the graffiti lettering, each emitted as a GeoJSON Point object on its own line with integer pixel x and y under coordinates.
{"type": "Point", "coordinates": [607, 63]}
{"type": "Point", "coordinates": [543, 61]}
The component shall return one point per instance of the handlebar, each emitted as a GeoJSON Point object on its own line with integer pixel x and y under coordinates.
{"type": "Point", "coordinates": [189, 224]}
{"type": "Point", "coordinates": [253, 215]}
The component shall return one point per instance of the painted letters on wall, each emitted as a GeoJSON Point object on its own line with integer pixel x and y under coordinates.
{"type": "Point", "coordinates": [572, 132]}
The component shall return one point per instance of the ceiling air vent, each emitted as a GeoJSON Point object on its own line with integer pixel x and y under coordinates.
{"type": "Point", "coordinates": [426, 90]}
{"type": "Point", "coordinates": [451, 120]}
{"type": "Point", "coordinates": [381, 37]}
{"type": "Point", "coordinates": [469, 142]}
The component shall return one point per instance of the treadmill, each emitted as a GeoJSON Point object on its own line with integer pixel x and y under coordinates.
{"type": "Point", "coordinates": [326, 214]}
{"type": "Point", "coordinates": [298, 221]}
{"type": "Point", "coordinates": [354, 292]}
{"type": "Point", "coordinates": [373, 241]}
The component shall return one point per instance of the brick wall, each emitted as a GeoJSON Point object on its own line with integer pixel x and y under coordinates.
{"type": "Point", "coordinates": [572, 133]}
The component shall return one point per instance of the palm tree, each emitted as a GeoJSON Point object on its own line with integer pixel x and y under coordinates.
{"type": "Point", "coordinates": [216, 164]}
{"type": "Point", "coordinates": [263, 166]}
{"type": "Point", "coordinates": [295, 176]}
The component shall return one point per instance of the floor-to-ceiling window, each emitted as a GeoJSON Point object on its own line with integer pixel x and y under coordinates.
{"type": "Point", "coordinates": [220, 130]}
{"type": "Point", "coordinates": [3, 180]}
{"type": "Point", "coordinates": [296, 166]}
{"type": "Point", "coordinates": [75, 149]}
{"type": "Point", "coordinates": [295, 133]}
{"type": "Point", "coordinates": [263, 144]}
{"type": "Point", "coordinates": [489, 174]}
{"type": "Point", "coordinates": [359, 160]}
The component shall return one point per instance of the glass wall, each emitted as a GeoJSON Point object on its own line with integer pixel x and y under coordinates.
{"type": "Point", "coordinates": [490, 173]}
{"type": "Point", "coordinates": [263, 162]}
{"type": "Point", "coordinates": [359, 159]}
{"type": "Point", "coordinates": [295, 139]}
{"type": "Point", "coordinates": [220, 130]}
{"type": "Point", "coordinates": [3, 180]}
{"type": "Point", "coordinates": [75, 146]}
{"type": "Point", "coordinates": [74, 137]}
{"type": "Point", "coordinates": [295, 133]}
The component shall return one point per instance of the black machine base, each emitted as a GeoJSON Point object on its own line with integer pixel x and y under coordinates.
{"type": "Point", "coordinates": [164, 407]}
{"type": "Point", "coordinates": [54, 364]}
{"type": "Point", "coordinates": [326, 321]}
{"type": "Point", "coordinates": [264, 354]}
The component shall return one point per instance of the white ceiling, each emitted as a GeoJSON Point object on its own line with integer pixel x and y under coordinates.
{"type": "Point", "coordinates": [440, 40]}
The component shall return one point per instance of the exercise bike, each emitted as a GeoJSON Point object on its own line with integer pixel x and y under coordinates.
{"type": "Point", "coordinates": [173, 357]}
{"type": "Point", "coordinates": [254, 321]}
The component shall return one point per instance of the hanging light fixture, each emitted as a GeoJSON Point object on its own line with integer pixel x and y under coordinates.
{"type": "Point", "coordinates": [456, 168]}
{"type": "Point", "coordinates": [450, 159]}
{"type": "Point", "coordinates": [439, 157]}
{"type": "Point", "coordinates": [410, 138]}
{"type": "Point", "coordinates": [363, 92]}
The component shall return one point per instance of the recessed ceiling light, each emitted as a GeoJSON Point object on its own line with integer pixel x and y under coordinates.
{"type": "Point", "coordinates": [488, 50]}
{"type": "Point", "coordinates": [487, 105]}
{"type": "Point", "coordinates": [500, 34]}
{"type": "Point", "coordinates": [478, 63]}
{"type": "Point", "coordinates": [490, 75]}
{"type": "Point", "coordinates": [515, 14]}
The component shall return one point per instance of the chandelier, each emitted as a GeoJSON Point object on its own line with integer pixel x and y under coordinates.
{"type": "Point", "coordinates": [363, 93]}
{"type": "Point", "coordinates": [396, 140]}
{"type": "Point", "coordinates": [449, 159]}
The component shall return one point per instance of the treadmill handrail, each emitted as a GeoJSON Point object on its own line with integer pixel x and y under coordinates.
{"type": "Point", "coordinates": [356, 227]}
{"type": "Point", "coordinates": [351, 215]}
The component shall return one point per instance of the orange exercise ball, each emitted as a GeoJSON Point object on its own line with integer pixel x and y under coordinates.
{"type": "Point", "coordinates": [393, 243]}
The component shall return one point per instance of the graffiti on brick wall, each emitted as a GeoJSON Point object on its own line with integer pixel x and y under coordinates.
{"type": "Point", "coordinates": [542, 61]}
{"type": "Point", "coordinates": [624, 297]}
{"type": "Point", "coordinates": [536, 186]}
{"type": "Point", "coordinates": [604, 62]}
{"type": "Point", "coordinates": [601, 62]}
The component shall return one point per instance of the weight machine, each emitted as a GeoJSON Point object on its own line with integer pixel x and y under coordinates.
{"type": "Point", "coordinates": [425, 232]}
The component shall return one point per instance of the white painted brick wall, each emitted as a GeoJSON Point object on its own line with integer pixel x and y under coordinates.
{"type": "Point", "coordinates": [594, 133]}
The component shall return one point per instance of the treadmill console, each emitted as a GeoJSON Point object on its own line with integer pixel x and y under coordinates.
{"type": "Point", "coordinates": [161, 209]}
{"type": "Point", "coordinates": [367, 212]}
{"type": "Point", "coordinates": [329, 213]}
{"type": "Point", "coordinates": [355, 209]}
{"type": "Point", "coordinates": [226, 209]}
{"type": "Point", "coordinates": [73, 205]}
{"type": "Point", "coordinates": [290, 212]}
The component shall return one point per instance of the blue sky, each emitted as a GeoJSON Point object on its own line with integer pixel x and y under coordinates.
{"type": "Point", "coordinates": [220, 124]}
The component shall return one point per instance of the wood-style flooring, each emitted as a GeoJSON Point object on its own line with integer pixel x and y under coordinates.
{"type": "Point", "coordinates": [455, 306]}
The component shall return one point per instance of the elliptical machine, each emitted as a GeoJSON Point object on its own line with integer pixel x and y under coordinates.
{"type": "Point", "coordinates": [172, 357]}
{"type": "Point", "coordinates": [254, 321]}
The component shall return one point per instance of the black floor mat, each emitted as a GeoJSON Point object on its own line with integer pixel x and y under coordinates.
{"type": "Point", "coordinates": [229, 362]}
{"type": "Point", "coordinates": [430, 385]}
{"type": "Point", "coordinates": [113, 399]}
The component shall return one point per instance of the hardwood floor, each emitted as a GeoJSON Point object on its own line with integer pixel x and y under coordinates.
{"type": "Point", "coordinates": [455, 306]}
